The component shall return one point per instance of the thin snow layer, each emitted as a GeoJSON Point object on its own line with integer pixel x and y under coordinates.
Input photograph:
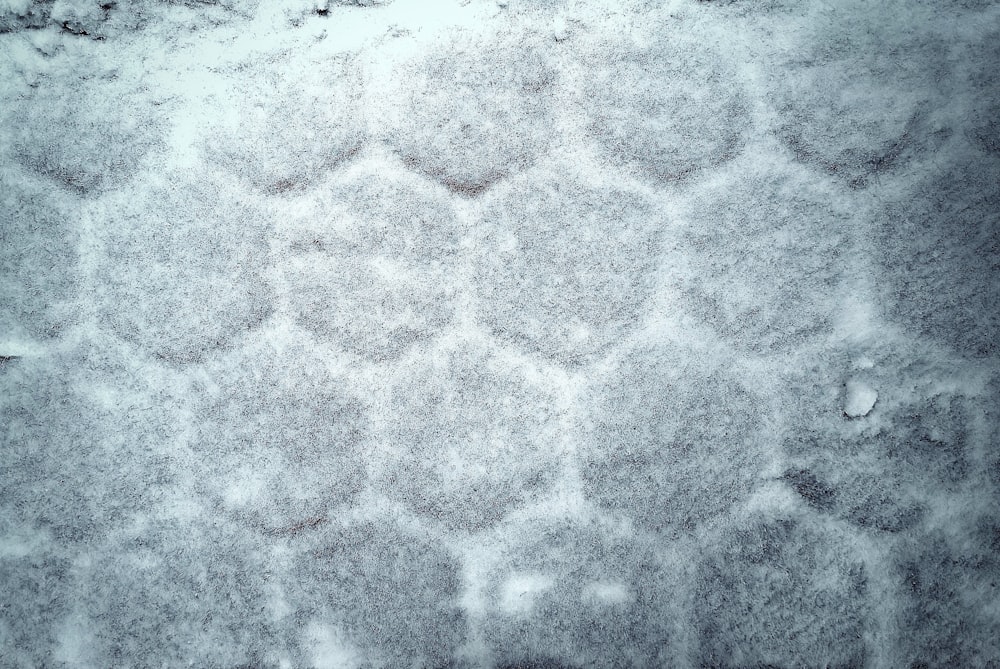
{"type": "Point", "coordinates": [464, 333]}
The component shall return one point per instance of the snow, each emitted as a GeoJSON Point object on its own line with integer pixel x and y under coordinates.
{"type": "Point", "coordinates": [485, 334]}
{"type": "Point", "coordinates": [520, 591]}
{"type": "Point", "coordinates": [860, 399]}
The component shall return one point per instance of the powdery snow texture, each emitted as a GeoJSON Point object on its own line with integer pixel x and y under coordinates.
{"type": "Point", "coordinates": [520, 334]}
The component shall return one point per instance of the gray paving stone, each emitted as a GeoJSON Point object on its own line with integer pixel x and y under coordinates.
{"type": "Point", "coordinates": [182, 250]}
{"type": "Point", "coordinates": [467, 440]}
{"type": "Point", "coordinates": [564, 268]}
{"type": "Point", "coordinates": [474, 109]}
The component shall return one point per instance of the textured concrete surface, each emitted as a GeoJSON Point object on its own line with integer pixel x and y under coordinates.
{"type": "Point", "coordinates": [523, 334]}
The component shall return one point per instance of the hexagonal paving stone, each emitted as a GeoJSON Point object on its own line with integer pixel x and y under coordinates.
{"type": "Point", "coordinates": [392, 595]}
{"type": "Point", "coordinates": [63, 131]}
{"type": "Point", "coordinates": [670, 441]}
{"type": "Point", "coordinates": [472, 108]}
{"type": "Point", "coordinates": [466, 440]}
{"type": "Point", "coordinates": [86, 442]}
{"type": "Point", "coordinates": [857, 102]}
{"type": "Point", "coordinates": [186, 593]}
{"type": "Point", "coordinates": [782, 592]}
{"type": "Point", "coordinates": [293, 130]}
{"type": "Point", "coordinates": [280, 442]}
{"type": "Point", "coordinates": [769, 255]}
{"type": "Point", "coordinates": [39, 272]}
{"type": "Point", "coordinates": [373, 264]}
{"type": "Point", "coordinates": [183, 269]}
{"type": "Point", "coordinates": [663, 102]}
{"type": "Point", "coordinates": [563, 268]}
{"type": "Point", "coordinates": [569, 593]}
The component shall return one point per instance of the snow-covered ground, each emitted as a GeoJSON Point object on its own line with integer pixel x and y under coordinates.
{"type": "Point", "coordinates": [464, 333]}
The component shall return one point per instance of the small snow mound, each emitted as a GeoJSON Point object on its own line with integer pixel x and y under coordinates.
{"type": "Point", "coordinates": [860, 399]}
{"type": "Point", "coordinates": [864, 362]}
{"type": "Point", "coordinates": [560, 31]}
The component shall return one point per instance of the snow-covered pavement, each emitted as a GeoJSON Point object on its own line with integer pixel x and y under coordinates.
{"type": "Point", "coordinates": [464, 333]}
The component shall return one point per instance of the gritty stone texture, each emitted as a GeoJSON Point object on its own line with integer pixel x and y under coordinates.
{"type": "Point", "coordinates": [372, 265]}
{"type": "Point", "coordinates": [570, 592]}
{"type": "Point", "coordinates": [466, 441]}
{"type": "Point", "coordinates": [473, 109]}
{"type": "Point", "coordinates": [564, 268]}
{"type": "Point", "coordinates": [939, 254]}
{"type": "Point", "coordinates": [778, 593]}
{"type": "Point", "coordinates": [653, 450]}
{"type": "Point", "coordinates": [741, 286]}
{"type": "Point", "coordinates": [291, 131]}
{"type": "Point", "coordinates": [184, 250]}
{"type": "Point", "coordinates": [668, 107]}
{"type": "Point", "coordinates": [37, 233]}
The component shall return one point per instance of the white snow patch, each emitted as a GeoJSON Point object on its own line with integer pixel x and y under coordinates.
{"type": "Point", "coordinates": [860, 399]}
{"type": "Point", "coordinates": [864, 362]}
{"type": "Point", "coordinates": [605, 593]}
{"type": "Point", "coordinates": [19, 7]}
{"type": "Point", "coordinates": [71, 641]}
{"type": "Point", "coordinates": [329, 648]}
{"type": "Point", "coordinates": [560, 31]}
{"type": "Point", "coordinates": [520, 591]}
